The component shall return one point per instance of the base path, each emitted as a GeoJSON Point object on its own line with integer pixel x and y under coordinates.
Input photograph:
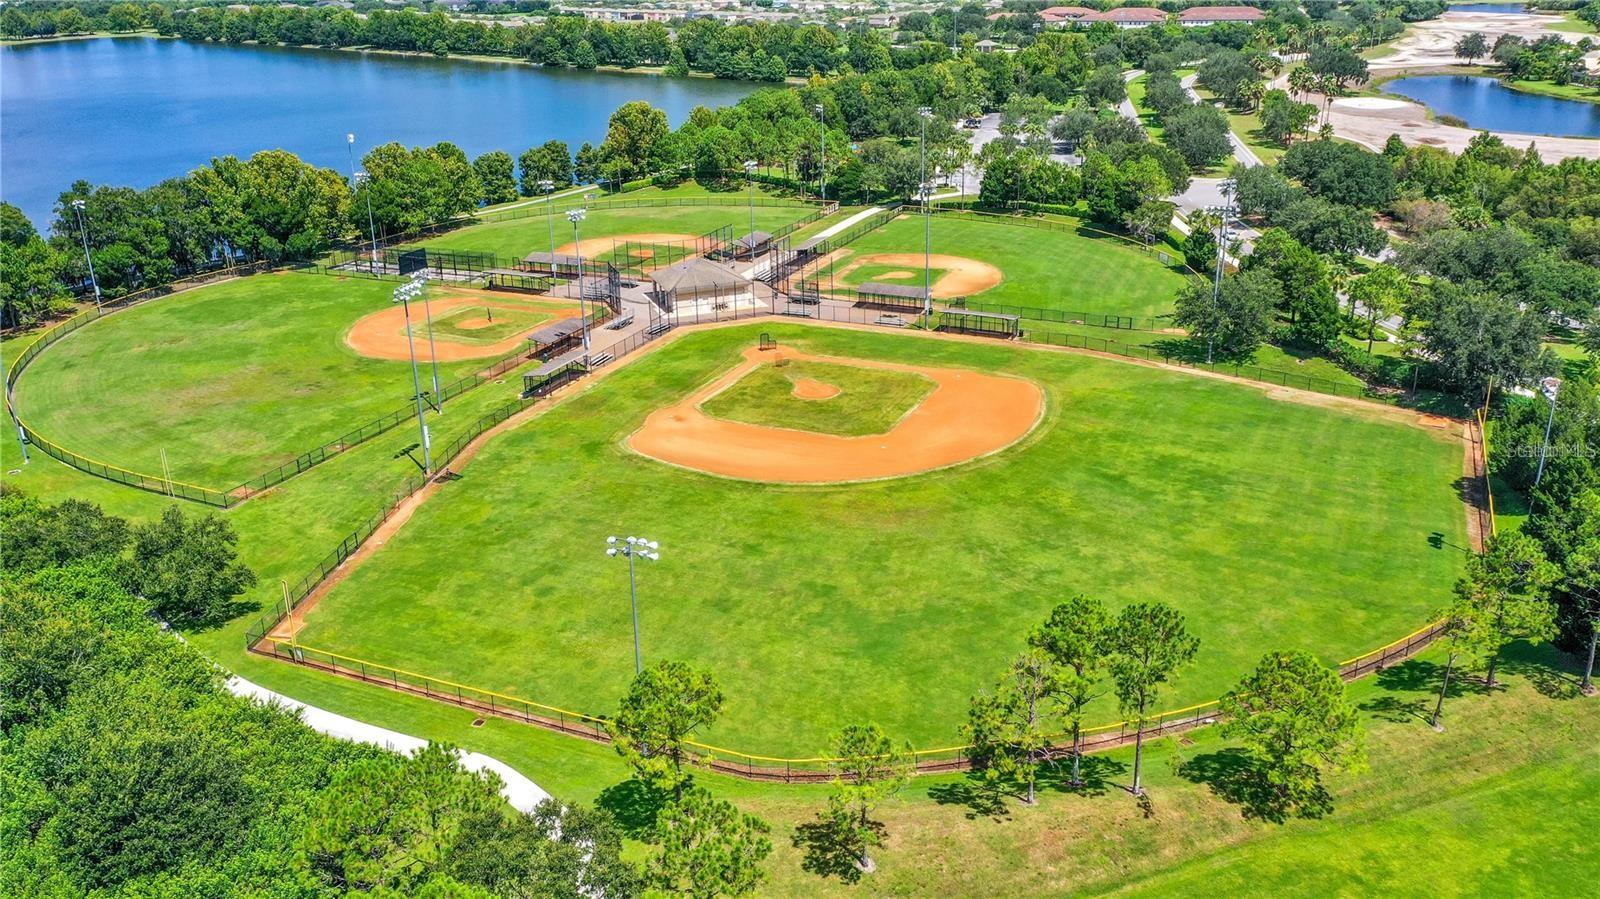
{"type": "Point", "coordinates": [523, 794]}
{"type": "Point", "coordinates": [962, 277]}
{"type": "Point", "coordinates": [968, 415]}
{"type": "Point", "coordinates": [590, 247]}
{"type": "Point", "coordinates": [382, 335]}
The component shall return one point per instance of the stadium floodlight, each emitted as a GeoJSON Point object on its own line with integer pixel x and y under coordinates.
{"type": "Point", "coordinates": [822, 152]}
{"type": "Point", "coordinates": [750, 190]}
{"type": "Point", "coordinates": [631, 547]}
{"type": "Point", "coordinates": [83, 229]}
{"type": "Point", "coordinates": [361, 178]}
{"type": "Point", "coordinates": [925, 114]}
{"type": "Point", "coordinates": [1224, 214]}
{"type": "Point", "coordinates": [549, 187]}
{"type": "Point", "coordinates": [1550, 388]}
{"type": "Point", "coordinates": [575, 216]}
{"type": "Point", "coordinates": [403, 295]}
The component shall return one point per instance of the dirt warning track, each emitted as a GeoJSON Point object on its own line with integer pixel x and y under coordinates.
{"type": "Point", "coordinates": [968, 415]}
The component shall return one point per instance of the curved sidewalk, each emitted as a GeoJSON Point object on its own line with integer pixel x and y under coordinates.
{"type": "Point", "coordinates": [522, 793]}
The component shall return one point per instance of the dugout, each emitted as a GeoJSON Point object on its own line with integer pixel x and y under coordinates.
{"type": "Point", "coordinates": [555, 265]}
{"type": "Point", "coordinates": [517, 281]}
{"type": "Point", "coordinates": [552, 340]}
{"type": "Point", "coordinates": [893, 297]}
{"type": "Point", "coordinates": [751, 245]}
{"type": "Point", "coordinates": [987, 324]}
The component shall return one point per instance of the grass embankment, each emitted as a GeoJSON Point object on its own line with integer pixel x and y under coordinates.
{"type": "Point", "coordinates": [229, 379]}
{"type": "Point", "coordinates": [1152, 484]}
{"type": "Point", "coordinates": [1580, 92]}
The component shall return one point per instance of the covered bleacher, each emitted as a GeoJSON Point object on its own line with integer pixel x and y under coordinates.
{"type": "Point", "coordinates": [987, 324]}
{"type": "Point", "coordinates": [894, 297]}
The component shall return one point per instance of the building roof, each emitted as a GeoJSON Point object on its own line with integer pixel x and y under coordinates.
{"type": "Point", "coordinates": [546, 258]}
{"type": "Point", "coordinates": [753, 240]}
{"type": "Point", "coordinates": [1127, 14]}
{"type": "Point", "coordinates": [880, 289]}
{"type": "Point", "coordinates": [1221, 14]}
{"type": "Point", "coordinates": [697, 274]}
{"type": "Point", "coordinates": [986, 43]}
{"type": "Point", "coordinates": [1064, 13]}
{"type": "Point", "coordinates": [557, 332]}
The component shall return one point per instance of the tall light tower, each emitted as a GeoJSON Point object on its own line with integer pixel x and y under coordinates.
{"type": "Point", "coordinates": [83, 230]}
{"type": "Point", "coordinates": [822, 152]}
{"type": "Point", "coordinates": [575, 216]}
{"type": "Point", "coordinates": [1550, 388]}
{"type": "Point", "coordinates": [549, 187]}
{"type": "Point", "coordinates": [634, 546]}
{"type": "Point", "coordinates": [403, 295]}
{"type": "Point", "coordinates": [750, 191]}
{"type": "Point", "coordinates": [926, 190]}
{"type": "Point", "coordinates": [361, 178]}
{"type": "Point", "coordinates": [1223, 214]}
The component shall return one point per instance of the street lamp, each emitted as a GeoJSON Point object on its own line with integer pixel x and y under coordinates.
{"type": "Point", "coordinates": [361, 178]}
{"type": "Point", "coordinates": [1222, 213]}
{"type": "Point", "coordinates": [750, 191]}
{"type": "Point", "coordinates": [822, 152]}
{"type": "Point", "coordinates": [83, 229]}
{"type": "Point", "coordinates": [403, 295]}
{"type": "Point", "coordinates": [1550, 388]}
{"type": "Point", "coordinates": [630, 547]}
{"type": "Point", "coordinates": [926, 190]}
{"type": "Point", "coordinates": [549, 187]}
{"type": "Point", "coordinates": [575, 216]}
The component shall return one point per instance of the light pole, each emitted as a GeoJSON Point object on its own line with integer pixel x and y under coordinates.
{"type": "Point", "coordinates": [822, 152]}
{"type": "Point", "coordinates": [750, 191]}
{"type": "Point", "coordinates": [1222, 213]}
{"type": "Point", "coordinates": [403, 295]}
{"type": "Point", "coordinates": [549, 188]}
{"type": "Point", "coordinates": [1551, 388]}
{"type": "Point", "coordinates": [634, 546]}
{"type": "Point", "coordinates": [575, 216]}
{"type": "Point", "coordinates": [83, 230]}
{"type": "Point", "coordinates": [361, 178]}
{"type": "Point", "coordinates": [926, 190]}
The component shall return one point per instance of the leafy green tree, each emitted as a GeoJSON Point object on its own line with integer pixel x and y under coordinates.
{"type": "Point", "coordinates": [868, 768]}
{"type": "Point", "coordinates": [188, 568]}
{"type": "Point", "coordinates": [1473, 337]}
{"type": "Point", "coordinates": [1340, 64]}
{"type": "Point", "coordinates": [1472, 46]}
{"type": "Point", "coordinates": [496, 176]}
{"type": "Point", "coordinates": [1382, 293]}
{"type": "Point", "coordinates": [273, 206]}
{"type": "Point", "coordinates": [1341, 173]}
{"type": "Point", "coordinates": [1293, 715]}
{"type": "Point", "coordinates": [1149, 218]}
{"type": "Point", "coordinates": [1282, 118]}
{"type": "Point", "coordinates": [1200, 245]}
{"type": "Point", "coordinates": [708, 848]}
{"type": "Point", "coordinates": [391, 822]}
{"type": "Point", "coordinates": [665, 705]}
{"type": "Point", "coordinates": [1509, 587]}
{"type": "Point", "coordinates": [631, 138]}
{"type": "Point", "coordinates": [1010, 728]}
{"type": "Point", "coordinates": [556, 851]}
{"type": "Point", "coordinates": [1304, 285]}
{"type": "Point", "coordinates": [1581, 580]}
{"type": "Point", "coordinates": [1200, 134]}
{"type": "Point", "coordinates": [38, 535]}
{"type": "Point", "coordinates": [1149, 643]}
{"type": "Point", "coordinates": [1237, 319]}
{"type": "Point", "coordinates": [1075, 637]}
{"type": "Point", "coordinates": [1106, 87]}
{"type": "Point", "coordinates": [550, 161]}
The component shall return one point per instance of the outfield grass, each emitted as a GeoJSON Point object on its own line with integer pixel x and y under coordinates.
{"type": "Point", "coordinates": [230, 379]}
{"type": "Point", "coordinates": [870, 400]}
{"type": "Point", "coordinates": [1074, 272]}
{"type": "Point", "coordinates": [515, 238]}
{"type": "Point", "coordinates": [1141, 484]}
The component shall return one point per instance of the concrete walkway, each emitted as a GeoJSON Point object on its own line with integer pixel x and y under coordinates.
{"type": "Point", "coordinates": [836, 228]}
{"type": "Point", "coordinates": [1241, 152]}
{"type": "Point", "coordinates": [522, 793]}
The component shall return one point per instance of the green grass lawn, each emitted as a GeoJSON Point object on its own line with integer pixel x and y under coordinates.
{"type": "Point", "coordinates": [1584, 93]}
{"type": "Point", "coordinates": [1140, 484]}
{"type": "Point", "coordinates": [514, 238]}
{"type": "Point", "coordinates": [229, 380]}
{"type": "Point", "coordinates": [1147, 116]}
{"type": "Point", "coordinates": [870, 400]}
{"type": "Point", "coordinates": [1076, 272]}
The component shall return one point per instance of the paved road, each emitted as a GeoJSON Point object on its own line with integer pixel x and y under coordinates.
{"type": "Point", "coordinates": [523, 794]}
{"type": "Point", "coordinates": [1241, 152]}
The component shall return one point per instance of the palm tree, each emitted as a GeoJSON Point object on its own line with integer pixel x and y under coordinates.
{"type": "Point", "coordinates": [1301, 81]}
{"type": "Point", "coordinates": [1252, 93]}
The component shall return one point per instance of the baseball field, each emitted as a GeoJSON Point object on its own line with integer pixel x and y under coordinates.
{"type": "Point", "coordinates": [895, 599]}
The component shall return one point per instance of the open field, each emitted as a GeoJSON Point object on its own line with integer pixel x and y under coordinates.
{"type": "Point", "coordinates": [1075, 272]}
{"type": "Point", "coordinates": [1140, 484]}
{"type": "Point", "coordinates": [513, 239]}
{"type": "Point", "coordinates": [229, 379]}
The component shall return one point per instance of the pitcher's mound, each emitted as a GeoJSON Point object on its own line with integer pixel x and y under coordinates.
{"type": "Point", "coordinates": [968, 415]}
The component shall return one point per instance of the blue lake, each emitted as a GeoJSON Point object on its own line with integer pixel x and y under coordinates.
{"type": "Point", "coordinates": [134, 111]}
{"type": "Point", "coordinates": [1485, 103]}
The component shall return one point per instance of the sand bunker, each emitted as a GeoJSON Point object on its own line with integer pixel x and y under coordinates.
{"type": "Point", "coordinates": [812, 389]}
{"type": "Point", "coordinates": [962, 277]}
{"type": "Point", "coordinates": [599, 246]}
{"type": "Point", "coordinates": [968, 415]}
{"type": "Point", "coordinates": [1370, 103]}
{"type": "Point", "coordinates": [382, 335]}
